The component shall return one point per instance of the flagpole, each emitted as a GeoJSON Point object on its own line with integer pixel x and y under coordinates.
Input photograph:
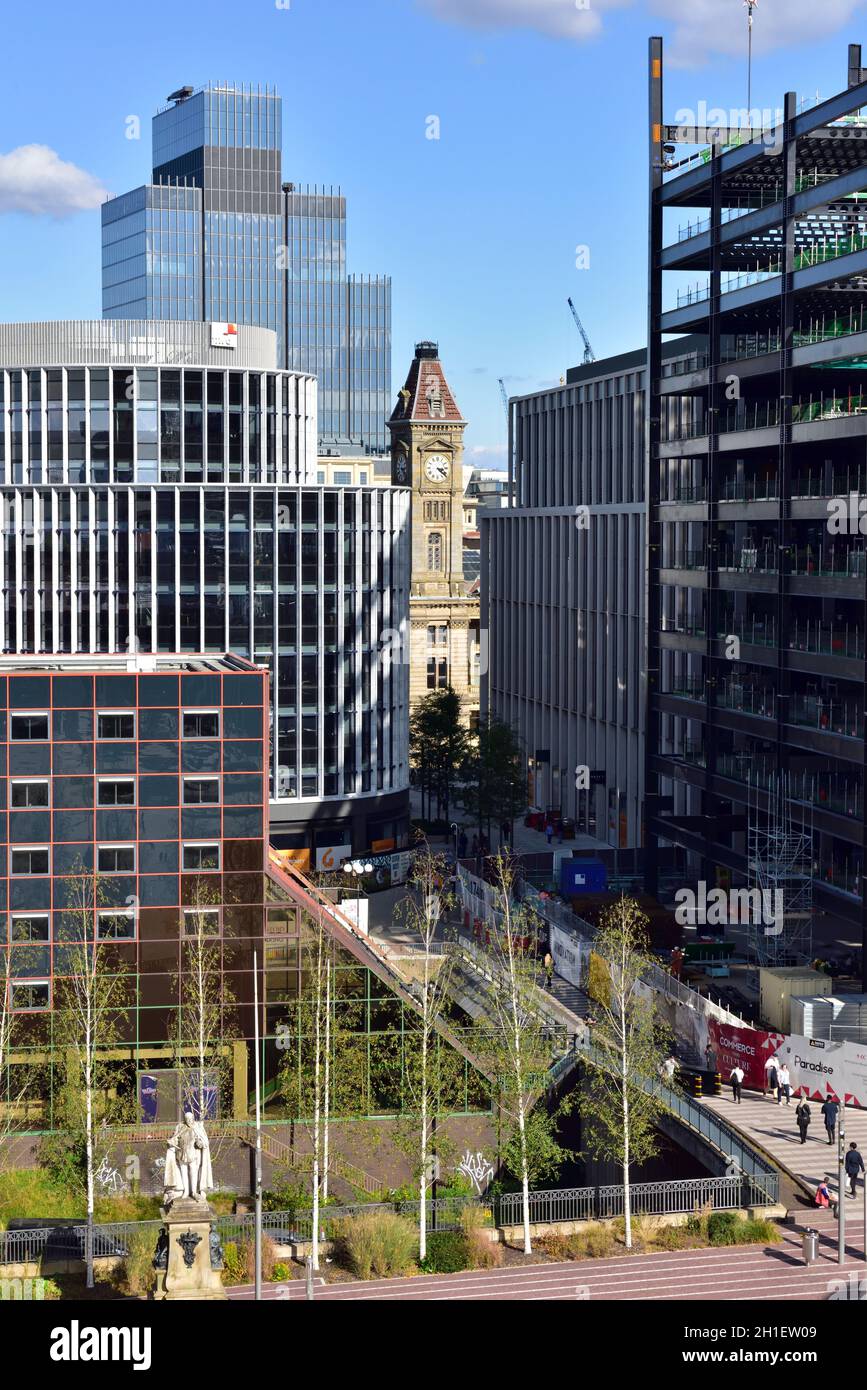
{"type": "Point", "coordinates": [750, 4]}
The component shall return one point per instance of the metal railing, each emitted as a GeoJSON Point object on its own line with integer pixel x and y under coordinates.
{"type": "Point", "coordinates": [684, 1195]}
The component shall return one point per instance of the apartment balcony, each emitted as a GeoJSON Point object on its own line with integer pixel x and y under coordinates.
{"type": "Point", "coordinates": [828, 406]}
{"type": "Point", "coordinates": [748, 699]}
{"type": "Point", "coordinates": [750, 490]}
{"type": "Point", "coordinates": [827, 791]}
{"type": "Point", "coordinates": [752, 568]}
{"type": "Point", "coordinates": [687, 560]}
{"type": "Point", "coordinates": [754, 632]}
{"type": "Point", "coordinates": [829, 572]}
{"type": "Point", "coordinates": [843, 717]}
{"type": "Point", "coordinates": [827, 639]}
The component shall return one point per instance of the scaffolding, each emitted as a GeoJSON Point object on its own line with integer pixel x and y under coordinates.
{"type": "Point", "coordinates": [781, 868]}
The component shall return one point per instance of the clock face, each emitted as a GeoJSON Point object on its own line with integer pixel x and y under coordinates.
{"type": "Point", "coordinates": [400, 470]}
{"type": "Point", "coordinates": [437, 468]}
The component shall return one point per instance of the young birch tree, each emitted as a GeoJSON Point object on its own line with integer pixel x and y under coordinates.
{"type": "Point", "coordinates": [92, 997]}
{"type": "Point", "coordinates": [516, 1035]}
{"type": "Point", "coordinates": [428, 1071]}
{"type": "Point", "coordinates": [16, 1077]}
{"type": "Point", "coordinates": [621, 1106]}
{"type": "Point", "coordinates": [205, 999]}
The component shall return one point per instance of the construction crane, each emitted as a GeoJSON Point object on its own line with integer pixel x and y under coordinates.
{"type": "Point", "coordinates": [505, 395]}
{"type": "Point", "coordinates": [589, 354]}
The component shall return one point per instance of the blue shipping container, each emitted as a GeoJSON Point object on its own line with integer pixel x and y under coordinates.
{"type": "Point", "coordinates": [583, 876]}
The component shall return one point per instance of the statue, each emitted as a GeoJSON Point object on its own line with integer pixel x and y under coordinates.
{"type": "Point", "coordinates": [188, 1172]}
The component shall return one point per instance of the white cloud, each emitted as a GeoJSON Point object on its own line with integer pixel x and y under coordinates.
{"type": "Point", "coordinates": [487, 456]}
{"type": "Point", "coordinates": [703, 29]}
{"type": "Point", "coordinates": [557, 19]}
{"type": "Point", "coordinates": [34, 179]}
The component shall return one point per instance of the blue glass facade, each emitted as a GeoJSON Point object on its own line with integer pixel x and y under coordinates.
{"type": "Point", "coordinates": [218, 236]}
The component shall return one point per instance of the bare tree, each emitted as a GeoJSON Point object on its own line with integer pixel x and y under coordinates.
{"type": "Point", "coordinates": [91, 1001]}
{"type": "Point", "coordinates": [205, 998]}
{"type": "Point", "coordinates": [621, 1105]}
{"type": "Point", "coordinates": [515, 1032]}
{"type": "Point", "coordinates": [427, 1073]}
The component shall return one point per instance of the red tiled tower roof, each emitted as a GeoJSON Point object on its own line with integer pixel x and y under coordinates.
{"type": "Point", "coordinates": [426, 395]}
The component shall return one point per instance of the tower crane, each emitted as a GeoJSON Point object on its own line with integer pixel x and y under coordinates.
{"type": "Point", "coordinates": [505, 395]}
{"type": "Point", "coordinates": [589, 354]}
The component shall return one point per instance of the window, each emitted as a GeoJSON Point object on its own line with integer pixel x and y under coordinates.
{"type": "Point", "coordinates": [437, 674]}
{"type": "Point", "coordinates": [29, 995]}
{"type": "Point", "coordinates": [201, 723]}
{"type": "Point", "coordinates": [201, 791]}
{"type": "Point", "coordinates": [29, 928]}
{"type": "Point", "coordinates": [116, 792]}
{"type": "Point", "coordinates": [201, 921]}
{"type": "Point", "coordinates": [30, 861]}
{"type": "Point", "coordinates": [115, 724]}
{"type": "Point", "coordinates": [28, 793]}
{"type": "Point", "coordinates": [115, 926]}
{"type": "Point", "coordinates": [201, 856]}
{"type": "Point", "coordinates": [362, 477]}
{"type": "Point", "coordinates": [435, 550]}
{"type": "Point", "coordinates": [115, 859]}
{"type": "Point", "coordinates": [24, 727]}
{"type": "Point", "coordinates": [342, 477]}
{"type": "Point", "coordinates": [320, 476]}
{"type": "Point", "coordinates": [437, 635]}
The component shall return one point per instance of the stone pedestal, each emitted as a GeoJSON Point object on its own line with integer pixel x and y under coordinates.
{"type": "Point", "coordinates": [189, 1255]}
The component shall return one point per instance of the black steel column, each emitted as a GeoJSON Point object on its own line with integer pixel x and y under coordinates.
{"type": "Point", "coordinates": [651, 472]}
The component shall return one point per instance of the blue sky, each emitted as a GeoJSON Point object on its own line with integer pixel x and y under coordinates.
{"type": "Point", "coordinates": [542, 111]}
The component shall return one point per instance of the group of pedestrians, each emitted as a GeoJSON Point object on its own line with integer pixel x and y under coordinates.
{"type": "Point", "coordinates": [778, 1080]}
{"type": "Point", "coordinates": [804, 1115]}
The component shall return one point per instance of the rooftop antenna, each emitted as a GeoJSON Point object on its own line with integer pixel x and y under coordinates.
{"type": "Point", "coordinates": [751, 5]}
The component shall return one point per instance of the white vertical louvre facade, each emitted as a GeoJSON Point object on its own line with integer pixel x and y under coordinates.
{"type": "Point", "coordinates": [156, 508]}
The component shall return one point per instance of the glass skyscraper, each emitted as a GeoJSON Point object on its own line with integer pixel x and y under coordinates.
{"type": "Point", "coordinates": [219, 236]}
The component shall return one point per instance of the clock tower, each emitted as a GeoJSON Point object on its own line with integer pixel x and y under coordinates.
{"type": "Point", "coordinates": [427, 452]}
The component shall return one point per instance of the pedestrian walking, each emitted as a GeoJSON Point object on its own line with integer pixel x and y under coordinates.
{"type": "Point", "coordinates": [772, 1066]}
{"type": "Point", "coordinates": [736, 1077]}
{"type": "Point", "coordinates": [784, 1085]}
{"type": "Point", "coordinates": [803, 1116]}
{"type": "Point", "coordinates": [549, 832]}
{"type": "Point", "coordinates": [854, 1165]}
{"type": "Point", "coordinates": [829, 1115]}
{"type": "Point", "coordinates": [710, 1057]}
{"type": "Point", "coordinates": [548, 963]}
{"type": "Point", "coordinates": [504, 833]}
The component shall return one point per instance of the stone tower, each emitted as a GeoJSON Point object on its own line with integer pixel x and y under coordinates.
{"type": "Point", "coordinates": [427, 452]}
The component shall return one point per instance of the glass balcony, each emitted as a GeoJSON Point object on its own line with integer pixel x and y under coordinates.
{"type": "Point", "coordinates": [684, 627]}
{"type": "Point", "coordinates": [842, 795]}
{"type": "Point", "coordinates": [761, 632]}
{"type": "Point", "coordinates": [840, 484]}
{"type": "Point", "coordinates": [687, 560]}
{"type": "Point", "coordinates": [749, 559]}
{"type": "Point", "coordinates": [835, 716]}
{"type": "Point", "coordinates": [750, 415]}
{"type": "Point", "coordinates": [832, 563]}
{"type": "Point", "coordinates": [748, 699]}
{"type": "Point", "coordinates": [689, 429]}
{"type": "Point", "coordinates": [826, 639]}
{"type": "Point", "coordinates": [683, 492]}
{"type": "Point", "coordinates": [687, 688]}
{"type": "Point", "coordinates": [750, 490]}
{"type": "Point", "coordinates": [828, 407]}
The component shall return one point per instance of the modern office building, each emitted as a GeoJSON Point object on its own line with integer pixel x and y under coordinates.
{"type": "Point", "coordinates": [158, 493]}
{"type": "Point", "coordinates": [562, 596]}
{"type": "Point", "coordinates": [217, 235]}
{"type": "Point", "coordinates": [755, 736]}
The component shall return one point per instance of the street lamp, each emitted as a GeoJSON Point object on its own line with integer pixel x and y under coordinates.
{"type": "Point", "coordinates": [454, 826]}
